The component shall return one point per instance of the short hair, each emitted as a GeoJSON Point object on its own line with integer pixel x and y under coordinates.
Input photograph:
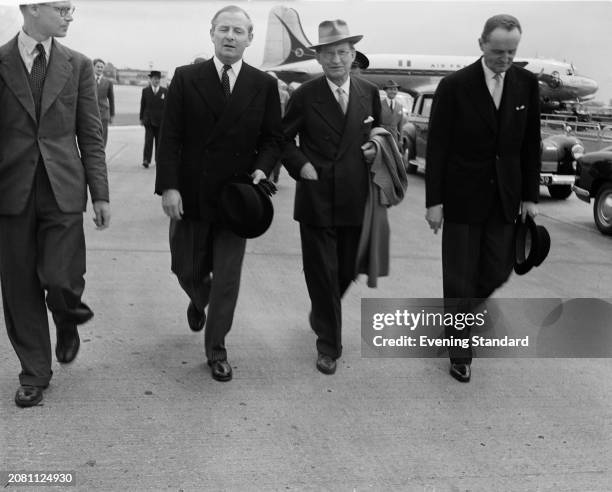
{"type": "Point", "coordinates": [505, 21]}
{"type": "Point", "coordinates": [98, 60]}
{"type": "Point", "coordinates": [234, 9]}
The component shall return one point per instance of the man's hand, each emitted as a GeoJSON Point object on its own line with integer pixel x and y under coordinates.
{"type": "Point", "coordinates": [258, 175]}
{"type": "Point", "coordinates": [369, 152]}
{"type": "Point", "coordinates": [434, 217]}
{"type": "Point", "coordinates": [528, 208]}
{"type": "Point", "coordinates": [308, 172]}
{"type": "Point", "coordinates": [172, 203]}
{"type": "Point", "coordinates": [102, 214]}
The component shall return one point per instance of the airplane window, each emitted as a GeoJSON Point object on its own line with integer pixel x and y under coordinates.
{"type": "Point", "coordinates": [399, 63]}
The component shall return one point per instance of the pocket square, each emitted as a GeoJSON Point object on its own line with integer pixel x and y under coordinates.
{"type": "Point", "coordinates": [369, 119]}
{"type": "Point", "coordinates": [519, 108]}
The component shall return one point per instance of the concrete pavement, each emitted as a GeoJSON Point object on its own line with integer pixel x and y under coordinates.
{"type": "Point", "coordinates": [138, 409]}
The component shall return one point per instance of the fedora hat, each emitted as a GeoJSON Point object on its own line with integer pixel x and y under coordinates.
{"type": "Point", "coordinates": [335, 31]}
{"type": "Point", "coordinates": [538, 245]}
{"type": "Point", "coordinates": [155, 73]}
{"type": "Point", "coordinates": [246, 209]}
{"type": "Point", "coordinates": [361, 61]}
{"type": "Point", "coordinates": [390, 83]}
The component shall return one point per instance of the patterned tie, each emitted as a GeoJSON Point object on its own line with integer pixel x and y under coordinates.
{"type": "Point", "coordinates": [391, 105]}
{"type": "Point", "coordinates": [341, 99]}
{"type": "Point", "coordinates": [37, 76]}
{"type": "Point", "coordinates": [225, 81]}
{"type": "Point", "coordinates": [497, 89]}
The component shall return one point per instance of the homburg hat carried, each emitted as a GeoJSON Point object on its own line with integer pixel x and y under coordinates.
{"type": "Point", "coordinates": [245, 208]}
{"type": "Point", "coordinates": [361, 61]}
{"type": "Point", "coordinates": [529, 235]}
{"type": "Point", "coordinates": [335, 31]}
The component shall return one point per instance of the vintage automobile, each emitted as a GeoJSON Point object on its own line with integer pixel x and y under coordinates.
{"type": "Point", "coordinates": [559, 151]}
{"type": "Point", "coordinates": [594, 180]}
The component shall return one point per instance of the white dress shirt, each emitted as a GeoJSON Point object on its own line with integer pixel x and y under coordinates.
{"type": "Point", "coordinates": [345, 87]}
{"type": "Point", "coordinates": [232, 73]}
{"type": "Point", "coordinates": [28, 51]}
{"type": "Point", "coordinates": [490, 78]}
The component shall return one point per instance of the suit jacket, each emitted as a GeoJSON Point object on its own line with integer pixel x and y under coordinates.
{"type": "Point", "coordinates": [68, 110]}
{"type": "Point", "coordinates": [474, 150]}
{"type": "Point", "coordinates": [392, 120]}
{"type": "Point", "coordinates": [152, 106]}
{"type": "Point", "coordinates": [206, 141]}
{"type": "Point", "coordinates": [106, 99]}
{"type": "Point", "coordinates": [331, 142]}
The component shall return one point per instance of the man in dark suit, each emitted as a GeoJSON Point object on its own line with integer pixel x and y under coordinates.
{"type": "Point", "coordinates": [152, 104]}
{"type": "Point", "coordinates": [106, 97]}
{"type": "Point", "coordinates": [222, 119]}
{"type": "Point", "coordinates": [332, 115]}
{"type": "Point", "coordinates": [392, 111]}
{"type": "Point", "coordinates": [51, 151]}
{"type": "Point", "coordinates": [483, 162]}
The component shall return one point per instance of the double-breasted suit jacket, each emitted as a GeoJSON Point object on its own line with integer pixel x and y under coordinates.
{"type": "Point", "coordinates": [475, 151]}
{"type": "Point", "coordinates": [205, 141]}
{"type": "Point", "coordinates": [106, 99]}
{"type": "Point", "coordinates": [68, 109]}
{"type": "Point", "coordinates": [152, 106]}
{"type": "Point", "coordinates": [392, 120]}
{"type": "Point", "coordinates": [331, 142]}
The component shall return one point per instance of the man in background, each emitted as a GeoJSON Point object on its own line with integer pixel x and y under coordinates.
{"type": "Point", "coordinates": [392, 112]}
{"type": "Point", "coordinates": [152, 104]}
{"type": "Point", "coordinates": [106, 97]}
{"type": "Point", "coordinates": [52, 151]}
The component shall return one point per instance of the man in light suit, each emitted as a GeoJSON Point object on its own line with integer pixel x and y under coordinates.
{"type": "Point", "coordinates": [483, 162]}
{"type": "Point", "coordinates": [392, 112]}
{"type": "Point", "coordinates": [222, 120]}
{"type": "Point", "coordinates": [106, 97]}
{"type": "Point", "coordinates": [152, 104]}
{"type": "Point", "coordinates": [332, 115]}
{"type": "Point", "coordinates": [51, 151]}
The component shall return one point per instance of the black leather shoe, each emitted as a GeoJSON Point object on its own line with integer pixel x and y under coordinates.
{"type": "Point", "coordinates": [29, 396]}
{"type": "Point", "coordinates": [68, 343]}
{"type": "Point", "coordinates": [326, 364]}
{"type": "Point", "coordinates": [220, 370]}
{"type": "Point", "coordinates": [195, 317]}
{"type": "Point", "coordinates": [461, 372]}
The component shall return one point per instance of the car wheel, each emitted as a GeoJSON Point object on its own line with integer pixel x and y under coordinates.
{"type": "Point", "coordinates": [602, 209]}
{"type": "Point", "coordinates": [560, 192]}
{"type": "Point", "coordinates": [410, 168]}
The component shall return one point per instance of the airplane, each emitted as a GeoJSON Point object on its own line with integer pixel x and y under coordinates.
{"type": "Point", "coordinates": [287, 54]}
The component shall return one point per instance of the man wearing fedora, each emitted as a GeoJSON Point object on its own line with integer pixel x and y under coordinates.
{"type": "Point", "coordinates": [333, 116]}
{"type": "Point", "coordinates": [152, 104]}
{"type": "Point", "coordinates": [52, 151]}
{"type": "Point", "coordinates": [222, 120]}
{"type": "Point", "coordinates": [392, 112]}
{"type": "Point", "coordinates": [483, 162]}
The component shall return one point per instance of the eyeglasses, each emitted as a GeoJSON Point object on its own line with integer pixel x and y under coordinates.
{"type": "Point", "coordinates": [342, 54]}
{"type": "Point", "coordinates": [63, 11]}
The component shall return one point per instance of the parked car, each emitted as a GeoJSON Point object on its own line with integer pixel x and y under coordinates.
{"type": "Point", "coordinates": [594, 180]}
{"type": "Point", "coordinates": [559, 152]}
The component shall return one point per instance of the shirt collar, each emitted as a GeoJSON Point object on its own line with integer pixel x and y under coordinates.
{"type": "Point", "coordinates": [489, 74]}
{"type": "Point", "coordinates": [29, 43]}
{"type": "Point", "coordinates": [345, 87]}
{"type": "Point", "coordinates": [235, 66]}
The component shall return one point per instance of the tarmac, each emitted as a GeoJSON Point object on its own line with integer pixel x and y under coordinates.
{"type": "Point", "coordinates": [138, 410]}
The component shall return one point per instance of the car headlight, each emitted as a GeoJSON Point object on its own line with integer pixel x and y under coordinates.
{"type": "Point", "coordinates": [577, 151]}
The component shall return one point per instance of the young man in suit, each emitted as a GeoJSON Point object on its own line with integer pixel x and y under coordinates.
{"type": "Point", "coordinates": [106, 97]}
{"type": "Point", "coordinates": [483, 162]}
{"type": "Point", "coordinates": [222, 119]}
{"type": "Point", "coordinates": [392, 112]}
{"type": "Point", "coordinates": [51, 141]}
{"type": "Point", "coordinates": [333, 115]}
{"type": "Point", "coordinates": [152, 104]}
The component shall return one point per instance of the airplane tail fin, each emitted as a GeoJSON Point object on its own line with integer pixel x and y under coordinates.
{"type": "Point", "coordinates": [285, 39]}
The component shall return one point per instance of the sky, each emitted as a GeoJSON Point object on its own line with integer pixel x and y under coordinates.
{"type": "Point", "coordinates": [165, 34]}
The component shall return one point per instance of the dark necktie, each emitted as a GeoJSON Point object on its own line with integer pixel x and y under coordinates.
{"type": "Point", "coordinates": [225, 81]}
{"type": "Point", "coordinates": [37, 76]}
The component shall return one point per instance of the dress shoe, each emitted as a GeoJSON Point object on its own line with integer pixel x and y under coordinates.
{"type": "Point", "coordinates": [145, 164]}
{"type": "Point", "coordinates": [28, 395]}
{"type": "Point", "coordinates": [68, 343]}
{"type": "Point", "coordinates": [326, 364]}
{"type": "Point", "coordinates": [195, 317]}
{"type": "Point", "coordinates": [461, 372]}
{"type": "Point", "coordinates": [220, 370]}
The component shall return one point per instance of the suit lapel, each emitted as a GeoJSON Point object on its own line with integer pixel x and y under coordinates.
{"type": "Point", "coordinates": [328, 108]}
{"type": "Point", "coordinates": [208, 85]}
{"type": "Point", "coordinates": [509, 100]}
{"type": "Point", "coordinates": [59, 71]}
{"type": "Point", "coordinates": [357, 110]}
{"type": "Point", "coordinates": [481, 96]}
{"type": "Point", "coordinates": [15, 76]}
